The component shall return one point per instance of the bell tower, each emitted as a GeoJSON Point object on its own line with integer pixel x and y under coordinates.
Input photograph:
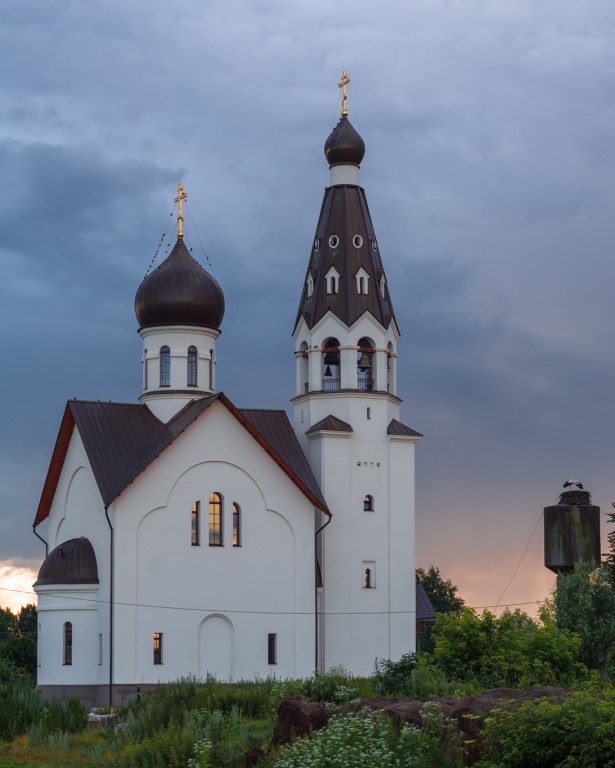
{"type": "Point", "coordinates": [346, 417]}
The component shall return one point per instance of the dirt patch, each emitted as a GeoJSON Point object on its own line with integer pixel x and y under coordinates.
{"type": "Point", "coordinates": [295, 717]}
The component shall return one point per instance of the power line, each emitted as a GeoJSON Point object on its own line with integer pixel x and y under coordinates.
{"type": "Point", "coordinates": [519, 563]}
{"type": "Point", "coordinates": [236, 611]}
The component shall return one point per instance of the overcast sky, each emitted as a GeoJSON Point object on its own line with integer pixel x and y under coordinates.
{"type": "Point", "coordinates": [490, 174]}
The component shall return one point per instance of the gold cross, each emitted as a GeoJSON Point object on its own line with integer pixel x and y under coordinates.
{"type": "Point", "coordinates": [344, 82]}
{"type": "Point", "coordinates": [181, 196]}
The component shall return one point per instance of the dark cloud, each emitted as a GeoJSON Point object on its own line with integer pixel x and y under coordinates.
{"type": "Point", "coordinates": [488, 170]}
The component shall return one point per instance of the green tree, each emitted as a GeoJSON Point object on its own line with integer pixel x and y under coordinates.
{"type": "Point", "coordinates": [510, 650]}
{"type": "Point", "coordinates": [441, 592]}
{"type": "Point", "coordinates": [584, 602]}
{"type": "Point", "coordinates": [18, 637]}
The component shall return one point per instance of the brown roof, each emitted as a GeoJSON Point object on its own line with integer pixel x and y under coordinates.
{"type": "Point", "coordinates": [345, 213]}
{"type": "Point", "coordinates": [121, 440]}
{"type": "Point", "coordinates": [72, 562]}
{"type": "Point", "coordinates": [330, 424]}
{"type": "Point", "coordinates": [397, 428]}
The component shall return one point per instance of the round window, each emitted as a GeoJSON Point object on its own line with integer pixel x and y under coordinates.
{"type": "Point", "coordinates": [316, 244]}
{"type": "Point", "coordinates": [334, 241]}
{"type": "Point", "coordinates": [357, 241]}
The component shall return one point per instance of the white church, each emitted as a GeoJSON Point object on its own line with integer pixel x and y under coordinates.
{"type": "Point", "coordinates": [188, 536]}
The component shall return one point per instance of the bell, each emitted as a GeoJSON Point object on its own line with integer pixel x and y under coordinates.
{"type": "Point", "coordinates": [365, 362]}
{"type": "Point", "coordinates": [328, 371]}
{"type": "Point", "coordinates": [331, 358]}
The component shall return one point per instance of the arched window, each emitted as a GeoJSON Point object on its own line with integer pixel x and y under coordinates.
{"type": "Point", "coordinates": [165, 367]}
{"type": "Point", "coordinates": [365, 352]}
{"type": "Point", "coordinates": [215, 520]}
{"type": "Point", "coordinates": [368, 503]}
{"type": "Point", "coordinates": [68, 643]}
{"type": "Point", "coordinates": [331, 361]}
{"type": "Point", "coordinates": [195, 524]}
{"type": "Point", "coordinates": [192, 366]}
{"type": "Point", "coordinates": [236, 525]}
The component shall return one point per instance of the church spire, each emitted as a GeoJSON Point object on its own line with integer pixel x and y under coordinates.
{"type": "Point", "coordinates": [345, 273]}
{"type": "Point", "coordinates": [345, 295]}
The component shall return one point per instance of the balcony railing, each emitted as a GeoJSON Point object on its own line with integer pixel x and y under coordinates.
{"type": "Point", "coordinates": [329, 384]}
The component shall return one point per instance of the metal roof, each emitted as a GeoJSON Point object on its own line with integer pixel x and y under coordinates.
{"type": "Point", "coordinates": [121, 441]}
{"type": "Point", "coordinates": [179, 292]}
{"type": "Point", "coordinates": [397, 428]}
{"type": "Point", "coordinates": [345, 215]}
{"type": "Point", "coordinates": [72, 562]}
{"type": "Point", "coordinates": [424, 609]}
{"type": "Point", "coordinates": [330, 424]}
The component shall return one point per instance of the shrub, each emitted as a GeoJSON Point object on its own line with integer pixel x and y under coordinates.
{"type": "Point", "coordinates": [366, 739]}
{"type": "Point", "coordinates": [577, 731]}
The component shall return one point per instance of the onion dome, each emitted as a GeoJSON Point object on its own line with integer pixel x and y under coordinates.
{"type": "Point", "coordinates": [72, 562]}
{"type": "Point", "coordinates": [179, 292]}
{"type": "Point", "coordinates": [344, 145]}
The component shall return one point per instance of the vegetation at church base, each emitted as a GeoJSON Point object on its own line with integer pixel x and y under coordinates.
{"type": "Point", "coordinates": [195, 724]}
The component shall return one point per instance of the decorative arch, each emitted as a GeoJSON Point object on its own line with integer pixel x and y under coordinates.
{"type": "Point", "coordinates": [365, 364]}
{"type": "Point", "coordinates": [331, 365]}
{"type": "Point", "coordinates": [217, 647]}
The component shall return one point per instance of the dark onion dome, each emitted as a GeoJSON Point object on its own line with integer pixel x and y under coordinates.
{"type": "Point", "coordinates": [72, 562]}
{"type": "Point", "coordinates": [179, 292]}
{"type": "Point", "coordinates": [344, 145]}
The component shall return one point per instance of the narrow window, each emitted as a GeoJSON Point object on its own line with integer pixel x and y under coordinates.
{"type": "Point", "coordinates": [332, 284]}
{"type": "Point", "coordinates": [211, 369]}
{"type": "Point", "coordinates": [272, 648]}
{"type": "Point", "coordinates": [236, 525]}
{"type": "Point", "coordinates": [192, 366]}
{"type": "Point", "coordinates": [362, 286]}
{"type": "Point", "coordinates": [100, 650]}
{"type": "Point", "coordinates": [157, 647]}
{"type": "Point", "coordinates": [369, 413]}
{"type": "Point", "coordinates": [368, 503]}
{"type": "Point", "coordinates": [145, 369]}
{"type": "Point", "coordinates": [369, 574]}
{"type": "Point", "coordinates": [165, 367]}
{"type": "Point", "coordinates": [215, 520]}
{"type": "Point", "coordinates": [39, 642]}
{"type": "Point", "coordinates": [195, 523]}
{"type": "Point", "coordinates": [68, 643]}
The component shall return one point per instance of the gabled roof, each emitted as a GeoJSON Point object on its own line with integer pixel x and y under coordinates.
{"type": "Point", "coordinates": [330, 424]}
{"type": "Point", "coordinates": [424, 609]}
{"type": "Point", "coordinates": [345, 215]}
{"type": "Point", "coordinates": [121, 440]}
{"type": "Point", "coordinates": [397, 428]}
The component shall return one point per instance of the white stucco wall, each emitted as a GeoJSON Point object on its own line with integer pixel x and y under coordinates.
{"type": "Point", "coordinates": [77, 510]}
{"type": "Point", "coordinates": [265, 586]}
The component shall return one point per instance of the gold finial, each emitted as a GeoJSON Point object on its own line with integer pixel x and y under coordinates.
{"type": "Point", "coordinates": [344, 82]}
{"type": "Point", "coordinates": [181, 196]}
